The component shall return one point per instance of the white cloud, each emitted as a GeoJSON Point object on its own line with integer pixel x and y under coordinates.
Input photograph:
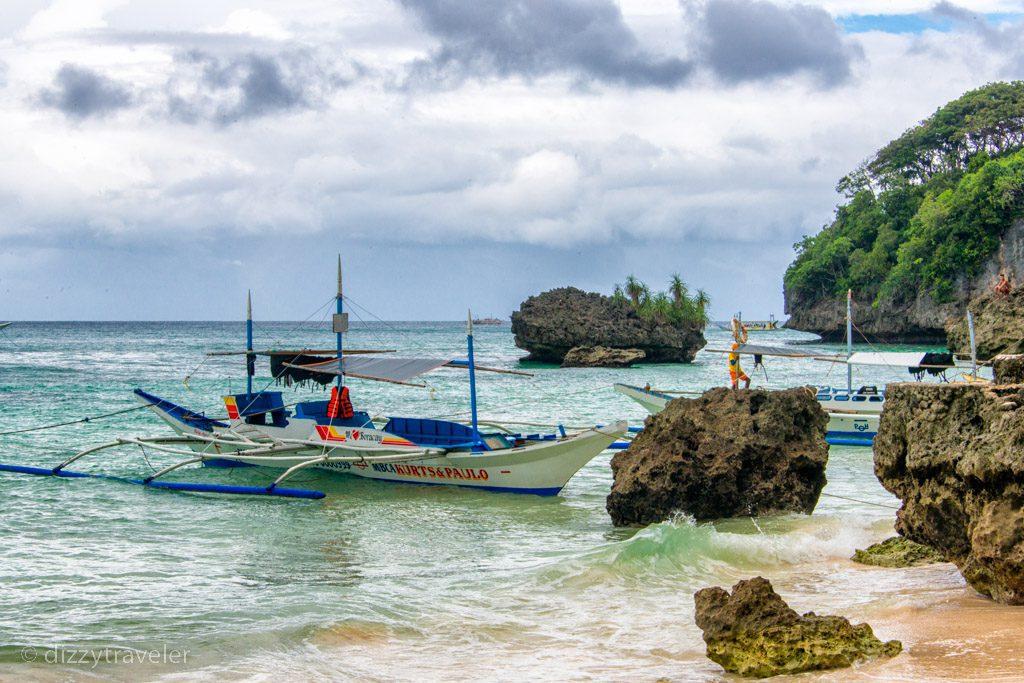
{"type": "Point", "coordinates": [64, 17]}
{"type": "Point", "coordinates": [254, 23]}
{"type": "Point", "coordinates": [494, 161]}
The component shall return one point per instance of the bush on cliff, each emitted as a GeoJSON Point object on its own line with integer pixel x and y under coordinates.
{"type": "Point", "coordinates": [927, 208]}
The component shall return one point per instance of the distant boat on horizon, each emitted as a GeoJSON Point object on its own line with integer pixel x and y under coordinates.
{"type": "Point", "coordinates": [488, 321]}
{"type": "Point", "coordinates": [3, 325]}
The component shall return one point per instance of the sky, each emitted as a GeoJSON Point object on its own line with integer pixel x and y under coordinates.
{"type": "Point", "coordinates": [159, 159]}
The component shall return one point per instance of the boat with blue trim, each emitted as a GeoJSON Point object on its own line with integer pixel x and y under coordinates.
{"type": "Point", "coordinates": [259, 429]}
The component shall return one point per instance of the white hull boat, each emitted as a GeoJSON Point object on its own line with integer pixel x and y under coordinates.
{"type": "Point", "coordinates": [410, 450]}
{"type": "Point", "coordinates": [260, 430]}
{"type": "Point", "coordinates": [852, 417]}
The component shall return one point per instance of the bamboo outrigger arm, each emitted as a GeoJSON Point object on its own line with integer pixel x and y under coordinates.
{"type": "Point", "coordinates": [244, 450]}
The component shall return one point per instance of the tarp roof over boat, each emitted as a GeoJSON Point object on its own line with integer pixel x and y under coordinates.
{"type": "Point", "coordinates": [382, 369]}
{"type": "Point", "coordinates": [761, 350]}
{"type": "Point", "coordinates": [388, 369]}
{"type": "Point", "coordinates": [905, 359]}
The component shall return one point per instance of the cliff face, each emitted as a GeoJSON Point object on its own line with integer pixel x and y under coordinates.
{"type": "Point", "coordinates": [549, 325]}
{"type": "Point", "coordinates": [921, 320]}
{"type": "Point", "coordinates": [998, 324]}
{"type": "Point", "coordinates": [952, 453]}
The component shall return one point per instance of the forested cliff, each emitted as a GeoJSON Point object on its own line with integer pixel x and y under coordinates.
{"type": "Point", "coordinates": [928, 223]}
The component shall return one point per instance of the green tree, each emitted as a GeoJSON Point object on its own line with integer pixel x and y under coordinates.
{"type": "Point", "coordinates": [634, 290]}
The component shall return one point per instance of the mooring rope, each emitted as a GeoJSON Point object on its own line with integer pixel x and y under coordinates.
{"type": "Point", "coordinates": [64, 424]}
{"type": "Point", "coordinates": [862, 502]}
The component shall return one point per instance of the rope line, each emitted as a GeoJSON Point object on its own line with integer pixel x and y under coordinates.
{"type": "Point", "coordinates": [71, 422]}
{"type": "Point", "coordinates": [862, 502]}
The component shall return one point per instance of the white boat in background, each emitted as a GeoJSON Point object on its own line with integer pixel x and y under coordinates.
{"type": "Point", "coordinates": [332, 435]}
{"type": "Point", "coordinates": [653, 401]}
{"type": "Point", "coordinates": [853, 414]}
{"type": "Point", "coordinates": [3, 325]}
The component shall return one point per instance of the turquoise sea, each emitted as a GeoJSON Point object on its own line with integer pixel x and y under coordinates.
{"type": "Point", "coordinates": [392, 582]}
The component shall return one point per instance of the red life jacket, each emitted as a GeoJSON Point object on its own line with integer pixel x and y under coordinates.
{"type": "Point", "coordinates": [339, 406]}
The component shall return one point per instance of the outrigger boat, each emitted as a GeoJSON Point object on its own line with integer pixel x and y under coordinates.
{"type": "Point", "coordinates": [853, 414]}
{"type": "Point", "coordinates": [331, 435]}
{"type": "Point", "coordinates": [769, 325]}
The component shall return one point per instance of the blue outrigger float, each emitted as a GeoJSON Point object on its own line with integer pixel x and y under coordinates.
{"type": "Point", "coordinates": [260, 430]}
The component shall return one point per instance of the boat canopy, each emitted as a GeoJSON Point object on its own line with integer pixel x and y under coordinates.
{"type": "Point", "coordinates": [906, 359]}
{"type": "Point", "coordinates": [385, 369]}
{"type": "Point", "coordinates": [761, 350]}
{"type": "Point", "coordinates": [305, 368]}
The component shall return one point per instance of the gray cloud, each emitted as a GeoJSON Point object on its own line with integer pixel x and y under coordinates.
{"type": "Point", "coordinates": [532, 38]}
{"type": "Point", "coordinates": [749, 40]}
{"type": "Point", "coordinates": [228, 89]}
{"type": "Point", "coordinates": [81, 93]}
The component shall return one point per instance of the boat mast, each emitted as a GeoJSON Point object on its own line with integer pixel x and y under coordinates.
{"type": "Point", "coordinates": [472, 372]}
{"type": "Point", "coordinates": [250, 359]}
{"type": "Point", "coordinates": [974, 347]}
{"type": "Point", "coordinates": [849, 339]}
{"type": "Point", "coordinates": [340, 326]}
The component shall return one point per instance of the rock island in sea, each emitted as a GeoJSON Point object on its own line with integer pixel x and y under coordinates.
{"type": "Point", "coordinates": [575, 328]}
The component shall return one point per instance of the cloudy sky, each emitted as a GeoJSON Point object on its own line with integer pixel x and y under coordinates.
{"type": "Point", "coordinates": [159, 158]}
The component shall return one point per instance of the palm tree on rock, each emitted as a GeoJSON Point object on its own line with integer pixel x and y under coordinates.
{"type": "Point", "coordinates": [634, 290]}
{"type": "Point", "coordinates": [677, 288]}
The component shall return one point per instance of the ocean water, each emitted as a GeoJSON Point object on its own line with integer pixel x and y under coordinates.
{"type": "Point", "coordinates": [393, 582]}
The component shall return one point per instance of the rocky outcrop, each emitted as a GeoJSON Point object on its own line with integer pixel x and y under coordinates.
{"type": "Point", "coordinates": [754, 633]}
{"type": "Point", "coordinates": [601, 357]}
{"type": "Point", "coordinates": [897, 552]}
{"type": "Point", "coordinates": [998, 324]}
{"type": "Point", "coordinates": [550, 324]}
{"type": "Point", "coordinates": [920, 320]}
{"type": "Point", "coordinates": [953, 454]}
{"type": "Point", "coordinates": [1008, 369]}
{"type": "Point", "coordinates": [728, 453]}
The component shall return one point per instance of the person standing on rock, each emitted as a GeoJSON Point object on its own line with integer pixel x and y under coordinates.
{"type": "Point", "coordinates": [739, 335]}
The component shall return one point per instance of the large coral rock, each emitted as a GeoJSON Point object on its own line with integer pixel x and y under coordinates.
{"type": "Point", "coordinates": [725, 454]}
{"type": "Point", "coordinates": [754, 633]}
{"type": "Point", "coordinates": [1008, 368]}
{"type": "Point", "coordinates": [550, 324]}
{"type": "Point", "coordinates": [954, 454]}
{"type": "Point", "coordinates": [601, 357]}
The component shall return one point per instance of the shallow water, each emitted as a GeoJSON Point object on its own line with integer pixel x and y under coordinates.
{"type": "Point", "coordinates": [399, 582]}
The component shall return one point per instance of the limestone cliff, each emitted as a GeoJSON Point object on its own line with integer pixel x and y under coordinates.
{"type": "Point", "coordinates": [920, 320]}
{"type": "Point", "coordinates": [998, 324]}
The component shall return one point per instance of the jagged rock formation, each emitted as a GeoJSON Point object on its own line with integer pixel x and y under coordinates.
{"type": "Point", "coordinates": [725, 454]}
{"type": "Point", "coordinates": [550, 324]}
{"type": "Point", "coordinates": [1008, 369]}
{"type": "Point", "coordinates": [998, 324]}
{"type": "Point", "coordinates": [924, 321]}
{"type": "Point", "coordinates": [753, 632]}
{"type": "Point", "coordinates": [953, 454]}
{"type": "Point", "coordinates": [601, 357]}
{"type": "Point", "coordinates": [897, 552]}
